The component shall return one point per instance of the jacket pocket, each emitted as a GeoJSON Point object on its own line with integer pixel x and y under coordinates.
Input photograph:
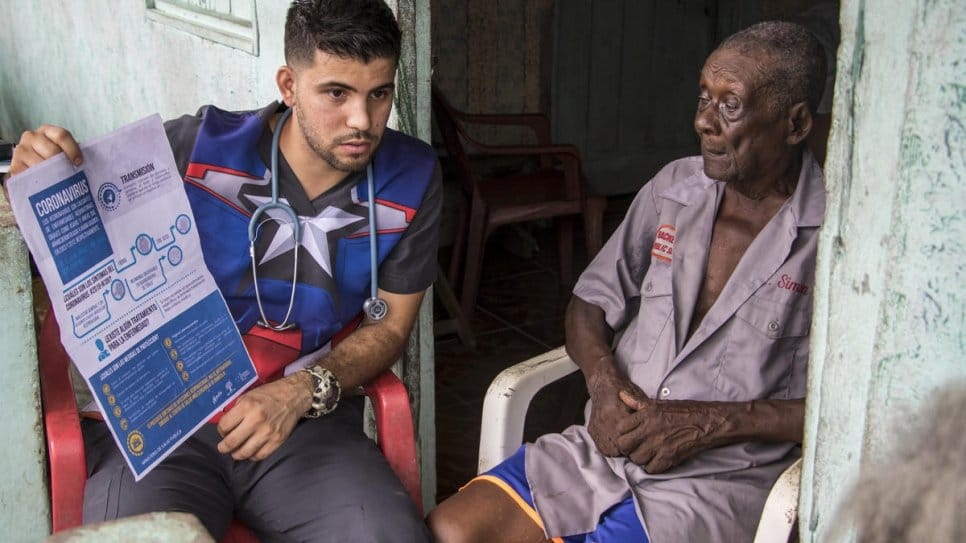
{"type": "Point", "coordinates": [654, 320]}
{"type": "Point", "coordinates": [767, 350]}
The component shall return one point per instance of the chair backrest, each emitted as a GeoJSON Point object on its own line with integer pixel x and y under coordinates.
{"type": "Point", "coordinates": [445, 116]}
{"type": "Point", "coordinates": [65, 447]}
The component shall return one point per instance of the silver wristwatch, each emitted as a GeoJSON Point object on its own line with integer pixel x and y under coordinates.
{"type": "Point", "coordinates": [325, 395]}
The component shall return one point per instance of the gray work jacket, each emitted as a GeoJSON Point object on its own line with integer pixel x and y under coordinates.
{"type": "Point", "coordinates": [752, 344]}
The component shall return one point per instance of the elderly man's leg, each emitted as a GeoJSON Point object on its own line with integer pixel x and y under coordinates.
{"type": "Point", "coordinates": [498, 506]}
{"type": "Point", "coordinates": [327, 482]}
{"type": "Point", "coordinates": [191, 479]}
{"type": "Point", "coordinates": [483, 512]}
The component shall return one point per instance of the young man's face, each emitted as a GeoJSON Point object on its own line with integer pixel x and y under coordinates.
{"type": "Point", "coordinates": [342, 106]}
{"type": "Point", "coordinates": [742, 138]}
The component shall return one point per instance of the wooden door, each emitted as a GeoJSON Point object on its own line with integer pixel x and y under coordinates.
{"type": "Point", "coordinates": [624, 85]}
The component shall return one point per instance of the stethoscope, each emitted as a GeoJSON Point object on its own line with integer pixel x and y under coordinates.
{"type": "Point", "coordinates": [374, 307]}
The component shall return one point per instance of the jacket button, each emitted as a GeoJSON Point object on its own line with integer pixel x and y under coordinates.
{"type": "Point", "coordinates": [665, 392]}
{"type": "Point", "coordinates": [773, 326]}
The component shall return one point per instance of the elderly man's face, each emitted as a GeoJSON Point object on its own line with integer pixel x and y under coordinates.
{"type": "Point", "coordinates": [742, 138]}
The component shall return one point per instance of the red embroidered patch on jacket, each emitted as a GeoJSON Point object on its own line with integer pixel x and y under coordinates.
{"type": "Point", "coordinates": [663, 248]}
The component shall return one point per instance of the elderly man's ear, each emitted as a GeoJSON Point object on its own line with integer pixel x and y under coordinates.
{"type": "Point", "coordinates": [799, 123]}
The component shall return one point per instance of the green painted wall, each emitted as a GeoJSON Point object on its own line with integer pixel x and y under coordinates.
{"type": "Point", "coordinates": [24, 509]}
{"type": "Point", "coordinates": [412, 115]}
{"type": "Point", "coordinates": [890, 293]}
{"type": "Point", "coordinates": [94, 65]}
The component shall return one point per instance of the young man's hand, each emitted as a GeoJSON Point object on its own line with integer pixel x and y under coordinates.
{"type": "Point", "coordinates": [38, 145]}
{"type": "Point", "coordinates": [264, 417]}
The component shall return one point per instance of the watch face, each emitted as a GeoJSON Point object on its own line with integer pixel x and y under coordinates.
{"type": "Point", "coordinates": [330, 397]}
{"type": "Point", "coordinates": [330, 401]}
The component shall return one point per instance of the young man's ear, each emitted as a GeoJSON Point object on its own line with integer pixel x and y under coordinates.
{"type": "Point", "coordinates": [799, 123]}
{"type": "Point", "coordinates": [285, 79]}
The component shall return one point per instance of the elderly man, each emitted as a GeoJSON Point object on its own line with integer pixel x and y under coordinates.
{"type": "Point", "coordinates": [709, 281]}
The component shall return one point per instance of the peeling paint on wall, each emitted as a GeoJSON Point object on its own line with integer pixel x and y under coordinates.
{"type": "Point", "coordinates": [890, 314]}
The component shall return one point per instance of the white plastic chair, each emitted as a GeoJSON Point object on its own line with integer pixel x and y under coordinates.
{"type": "Point", "coordinates": [505, 409]}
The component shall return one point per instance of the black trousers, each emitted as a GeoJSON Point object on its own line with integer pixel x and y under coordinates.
{"type": "Point", "coordinates": [327, 482]}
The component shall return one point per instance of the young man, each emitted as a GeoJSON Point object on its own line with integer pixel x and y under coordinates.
{"type": "Point", "coordinates": [709, 279]}
{"type": "Point", "coordinates": [272, 460]}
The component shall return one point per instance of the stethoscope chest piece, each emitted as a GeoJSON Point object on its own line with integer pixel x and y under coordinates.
{"type": "Point", "coordinates": [375, 308]}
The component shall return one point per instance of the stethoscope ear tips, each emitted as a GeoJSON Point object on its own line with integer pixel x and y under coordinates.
{"type": "Point", "coordinates": [375, 308]}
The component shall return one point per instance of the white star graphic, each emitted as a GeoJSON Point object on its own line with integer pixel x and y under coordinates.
{"type": "Point", "coordinates": [315, 231]}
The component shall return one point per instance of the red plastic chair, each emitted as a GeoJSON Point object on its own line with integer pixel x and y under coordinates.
{"type": "Point", "coordinates": [65, 446]}
{"type": "Point", "coordinates": [554, 188]}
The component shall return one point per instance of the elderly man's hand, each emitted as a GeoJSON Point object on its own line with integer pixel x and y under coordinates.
{"type": "Point", "coordinates": [661, 434]}
{"type": "Point", "coordinates": [607, 410]}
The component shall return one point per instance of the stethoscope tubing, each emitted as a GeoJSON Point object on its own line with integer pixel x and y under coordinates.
{"type": "Point", "coordinates": [374, 307]}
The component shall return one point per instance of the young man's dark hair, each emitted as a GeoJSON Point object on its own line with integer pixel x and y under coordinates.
{"type": "Point", "coordinates": [356, 29]}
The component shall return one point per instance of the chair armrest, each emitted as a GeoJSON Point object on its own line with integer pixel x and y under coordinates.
{"type": "Point", "coordinates": [394, 430]}
{"type": "Point", "coordinates": [506, 402]}
{"type": "Point", "coordinates": [781, 508]}
{"type": "Point", "coordinates": [65, 444]}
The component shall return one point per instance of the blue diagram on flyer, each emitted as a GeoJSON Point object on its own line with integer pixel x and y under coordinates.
{"type": "Point", "coordinates": [156, 392]}
{"type": "Point", "coordinates": [136, 274]}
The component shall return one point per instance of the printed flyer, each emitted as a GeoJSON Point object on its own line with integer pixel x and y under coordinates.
{"type": "Point", "coordinates": [139, 313]}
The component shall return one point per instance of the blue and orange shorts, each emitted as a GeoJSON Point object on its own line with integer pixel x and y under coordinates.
{"type": "Point", "coordinates": [619, 524]}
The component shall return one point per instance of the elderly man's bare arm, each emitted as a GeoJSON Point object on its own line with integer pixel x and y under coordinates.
{"type": "Point", "coordinates": [589, 345]}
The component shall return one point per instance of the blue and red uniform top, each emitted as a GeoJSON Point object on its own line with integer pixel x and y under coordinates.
{"type": "Point", "coordinates": [223, 158]}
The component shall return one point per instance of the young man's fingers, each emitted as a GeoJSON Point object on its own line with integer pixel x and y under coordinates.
{"type": "Point", "coordinates": [39, 145]}
{"type": "Point", "coordinates": [268, 448]}
{"type": "Point", "coordinates": [251, 449]}
{"type": "Point", "coordinates": [232, 418]}
{"type": "Point", "coordinates": [64, 141]}
{"type": "Point", "coordinates": [234, 436]}
{"type": "Point", "coordinates": [23, 158]}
